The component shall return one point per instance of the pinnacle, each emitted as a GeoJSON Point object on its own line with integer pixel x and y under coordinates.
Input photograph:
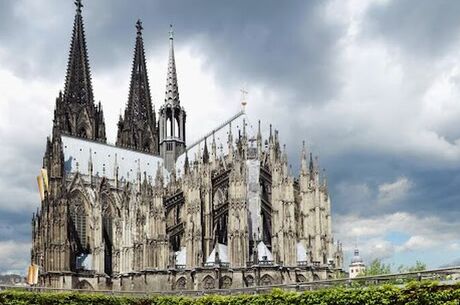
{"type": "Point", "coordinates": [172, 92]}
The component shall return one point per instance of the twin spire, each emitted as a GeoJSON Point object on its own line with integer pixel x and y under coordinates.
{"type": "Point", "coordinates": [78, 88]}
{"type": "Point", "coordinates": [77, 115]}
{"type": "Point", "coordinates": [139, 107]}
{"type": "Point", "coordinates": [137, 129]}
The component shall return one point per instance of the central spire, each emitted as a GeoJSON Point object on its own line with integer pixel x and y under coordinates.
{"type": "Point", "coordinates": [172, 90]}
{"type": "Point", "coordinates": [78, 88]}
{"type": "Point", "coordinates": [137, 128]}
{"type": "Point", "coordinates": [172, 115]}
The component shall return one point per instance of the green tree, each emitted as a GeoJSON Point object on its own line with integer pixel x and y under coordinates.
{"type": "Point", "coordinates": [419, 266]}
{"type": "Point", "coordinates": [377, 267]}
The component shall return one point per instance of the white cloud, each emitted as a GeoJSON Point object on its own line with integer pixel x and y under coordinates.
{"type": "Point", "coordinates": [373, 234]}
{"type": "Point", "coordinates": [389, 103]}
{"type": "Point", "coordinates": [394, 191]}
{"type": "Point", "coordinates": [25, 106]}
{"type": "Point", "coordinates": [14, 257]}
{"type": "Point", "coordinates": [376, 248]}
{"type": "Point", "coordinates": [418, 242]}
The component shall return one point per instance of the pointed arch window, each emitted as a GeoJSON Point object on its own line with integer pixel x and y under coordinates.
{"type": "Point", "coordinates": [220, 211]}
{"type": "Point", "coordinates": [79, 219]}
{"type": "Point", "coordinates": [168, 128]}
{"type": "Point", "coordinates": [107, 233]}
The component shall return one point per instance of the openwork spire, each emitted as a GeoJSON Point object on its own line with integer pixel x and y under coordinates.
{"type": "Point", "coordinates": [137, 129]}
{"type": "Point", "coordinates": [78, 88]}
{"type": "Point", "coordinates": [172, 90]}
{"type": "Point", "coordinates": [139, 108]}
{"type": "Point", "coordinates": [76, 114]}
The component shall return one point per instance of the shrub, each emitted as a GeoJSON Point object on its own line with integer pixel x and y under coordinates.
{"type": "Point", "coordinates": [414, 293]}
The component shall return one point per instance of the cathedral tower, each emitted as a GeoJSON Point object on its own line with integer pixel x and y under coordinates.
{"type": "Point", "coordinates": [75, 113]}
{"type": "Point", "coordinates": [137, 129]}
{"type": "Point", "coordinates": [172, 115]}
{"type": "Point", "coordinates": [142, 216]}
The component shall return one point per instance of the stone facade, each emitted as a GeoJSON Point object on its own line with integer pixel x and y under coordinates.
{"type": "Point", "coordinates": [150, 213]}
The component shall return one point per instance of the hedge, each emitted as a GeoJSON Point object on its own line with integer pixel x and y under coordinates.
{"type": "Point", "coordinates": [413, 293]}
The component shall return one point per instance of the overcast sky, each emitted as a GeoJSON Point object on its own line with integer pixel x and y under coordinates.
{"type": "Point", "coordinates": [373, 87]}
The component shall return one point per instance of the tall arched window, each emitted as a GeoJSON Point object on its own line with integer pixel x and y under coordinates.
{"type": "Point", "coordinates": [82, 133]}
{"type": "Point", "coordinates": [79, 219]}
{"type": "Point", "coordinates": [107, 233]}
{"type": "Point", "coordinates": [176, 128]}
{"type": "Point", "coordinates": [221, 221]}
{"type": "Point", "coordinates": [168, 128]}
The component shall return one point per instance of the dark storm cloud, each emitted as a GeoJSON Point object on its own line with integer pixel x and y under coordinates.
{"type": "Point", "coordinates": [15, 226]}
{"type": "Point", "coordinates": [287, 47]}
{"type": "Point", "coordinates": [422, 27]}
{"type": "Point", "coordinates": [355, 180]}
{"type": "Point", "coordinates": [282, 45]}
{"type": "Point", "coordinates": [34, 37]}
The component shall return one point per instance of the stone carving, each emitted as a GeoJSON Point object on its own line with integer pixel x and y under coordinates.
{"type": "Point", "coordinates": [209, 282]}
{"type": "Point", "coordinates": [266, 280]}
{"type": "Point", "coordinates": [226, 282]}
{"type": "Point", "coordinates": [181, 284]}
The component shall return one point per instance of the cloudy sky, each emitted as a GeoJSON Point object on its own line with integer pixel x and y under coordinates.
{"type": "Point", "coordinates": [372, 86]}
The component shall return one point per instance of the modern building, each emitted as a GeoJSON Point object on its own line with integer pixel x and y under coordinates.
{"type": "Point", "coordinates": [153, 213]}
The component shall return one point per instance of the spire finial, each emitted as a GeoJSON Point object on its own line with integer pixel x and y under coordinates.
{"type": "Point", "coordinates": [172, 91]}
{"type": "Point", "coordinates": [139, 27]}
{"type": "Point", "coordinates": [244, 94]}
{"type": "Point", "coordinates": [171, 32]}
{"type": "Point", "coordinates": [79, 6]}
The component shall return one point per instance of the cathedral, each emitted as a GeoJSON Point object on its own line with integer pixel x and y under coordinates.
{"type": "Point", "coordinates": [154, 213]}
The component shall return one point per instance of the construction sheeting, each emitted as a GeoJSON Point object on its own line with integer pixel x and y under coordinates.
{"type": "Point", "coordinates": [105, 158]}
{"type": "Point", "coordinates": [253, 193]}
{"type": "Point", "coordinates": [32, 274]}
{"type": "Point", "coordinates": [41, 189]}
{"type": "Point", "coordinates": [223, 254]}
{"type": "Point", "coordinates": [44, 174]}
{"type": "Point", "coordinates": [263, 253]}
{"type": "Point", "coordinates": [84, 261]}
{"type": "Point", "coordinates": [301, 253]}
{"type": "Point", "coordinates": [181, 258]}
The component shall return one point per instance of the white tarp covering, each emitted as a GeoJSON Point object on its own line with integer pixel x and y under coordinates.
{"type": "Point", "coordinates": [223, 254]}
{"type": "Point", "coordinates": [263, 253]}
{"type": "Point", "coordinates": [301, 253]}
{"type": "Point", "coordinates": [104, 157]}
{"type": "Point", "coordinates": [85, 261]}
{"type": "Point", "coordinates": [253, 192]}
{"type": "Point", "coordinates": [181, 256]}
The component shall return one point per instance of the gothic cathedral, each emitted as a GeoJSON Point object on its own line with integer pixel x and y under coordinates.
{"type": "Point", "coordinates": [153, 213]}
